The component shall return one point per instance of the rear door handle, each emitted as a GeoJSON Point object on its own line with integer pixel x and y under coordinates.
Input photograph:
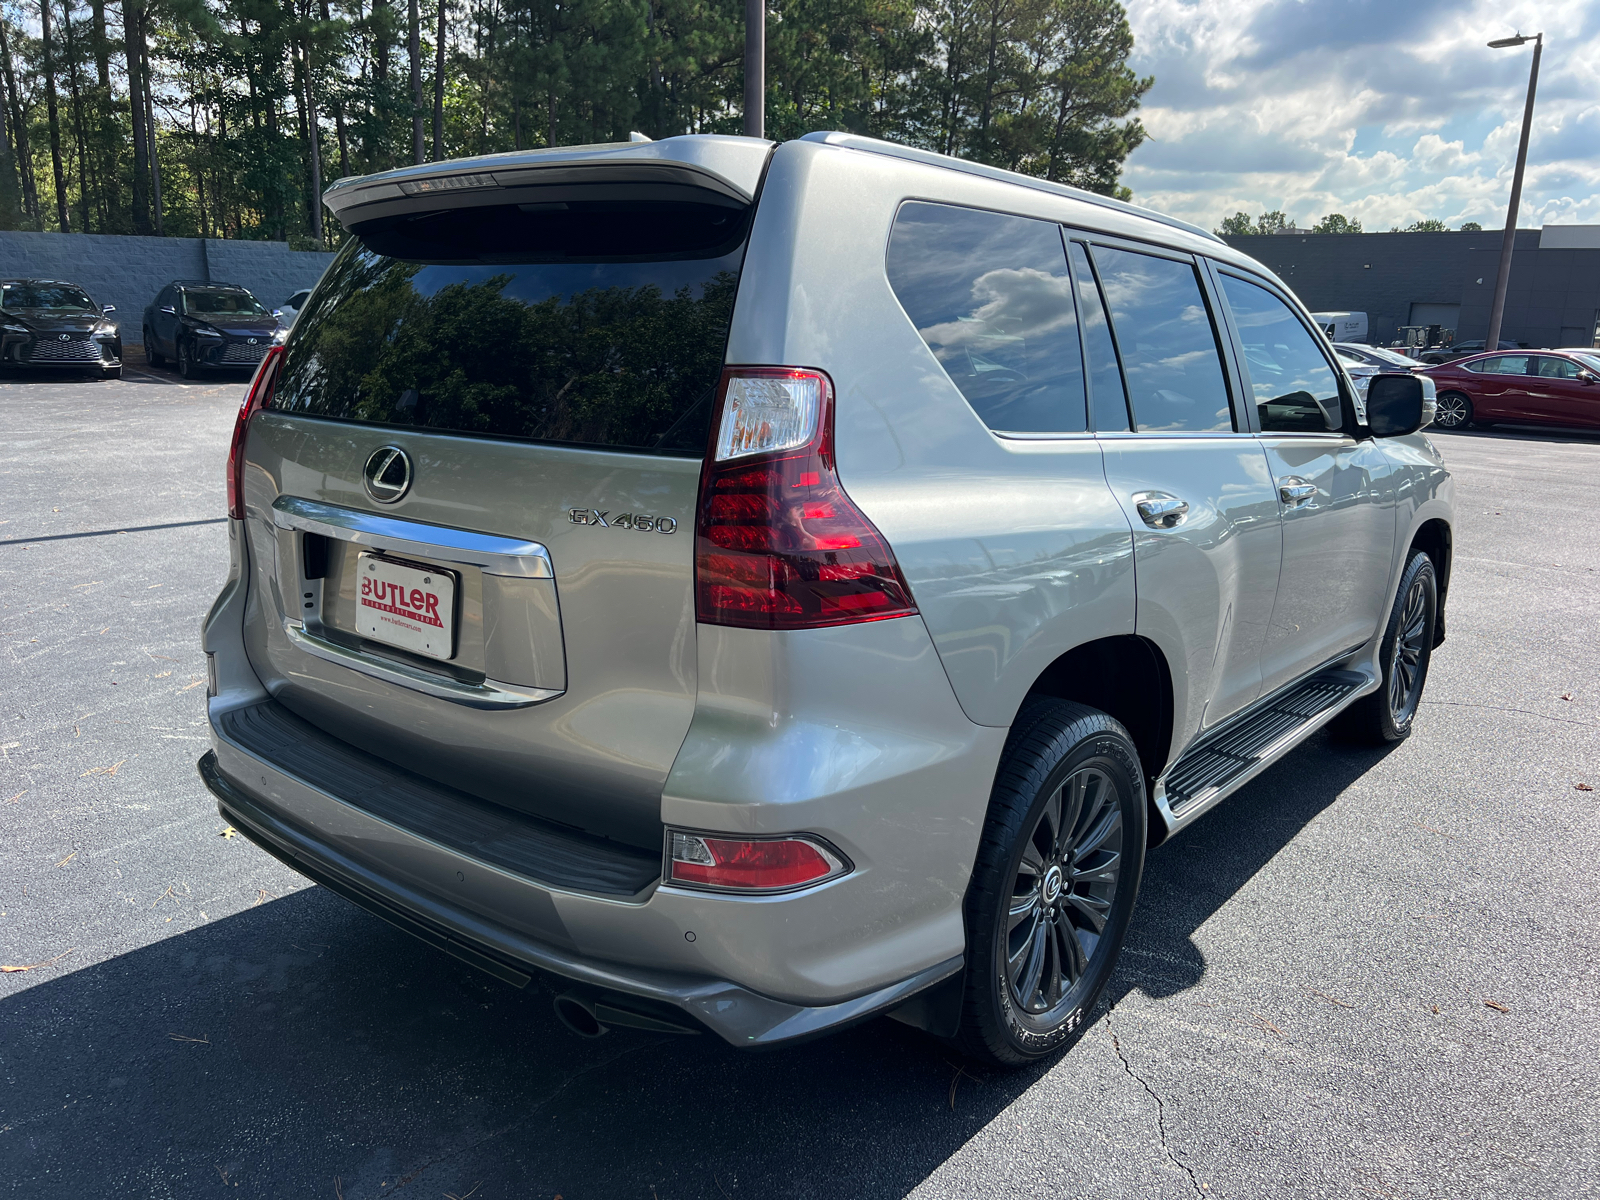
{"type": "Point", "coordinates": [1159, 510]}
{"type": "Point", "coordinates": [1294, 491]}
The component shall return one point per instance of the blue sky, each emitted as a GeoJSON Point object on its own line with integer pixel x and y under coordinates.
{"type": "Point", "coordinates": [1388, 111]}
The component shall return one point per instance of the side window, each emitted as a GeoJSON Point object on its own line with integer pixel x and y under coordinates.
{"type": "Point", "coordinates": [1557, 368]}
{"type": "Point", "coordinates": [1296, 390]}
{"type": "Point", "coordinates": [1168, 346]}
{"type": "Point", "coordinates": [1107, 397]}
{"type": "Point", "coordinates": [1506, 364]}
{"type": "Point", "coordinates": [991, 297]}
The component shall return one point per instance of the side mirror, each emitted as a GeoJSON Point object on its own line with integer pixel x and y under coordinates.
{"type": "Point", "coordinates": [108, 308]}
{"type": "Point", "coordinates": [1587, 377]}
{"type": "Point", "coordinates": [1396, 405]}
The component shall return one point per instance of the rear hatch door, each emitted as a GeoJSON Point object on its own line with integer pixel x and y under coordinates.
{"type": "Point", "coordinates": [470, 503]}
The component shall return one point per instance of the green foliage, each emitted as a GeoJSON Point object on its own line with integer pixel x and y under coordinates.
{"type": "Point", "coordinates": [1039, 86]}
{"type": "Point", "coordinates": [1240, 225]}
{"type": "Point", "coordinates": [1431, 225]}
{"type": "Point", "coordinates": [1337, 223]}
{"type": "Point", "coordinates": [1471, 227]}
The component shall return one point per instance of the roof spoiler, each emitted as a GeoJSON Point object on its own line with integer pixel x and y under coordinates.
{"type": "Point", "coordinates": [700, 168]}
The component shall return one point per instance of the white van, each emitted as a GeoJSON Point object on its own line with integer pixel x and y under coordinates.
{"type": "Point", "coordinates": [1342, 326]}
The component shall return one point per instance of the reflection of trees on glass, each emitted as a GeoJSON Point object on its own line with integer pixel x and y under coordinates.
{"type": "Point", "coordinates": [611, 365]}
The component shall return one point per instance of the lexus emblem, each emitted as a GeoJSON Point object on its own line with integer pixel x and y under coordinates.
{"type": "Point", "coordinates": [65, 337]}
{"type": "Point", "coordinates": [387, 474]}
{"type": "Point", "coordinates": [252, 341]}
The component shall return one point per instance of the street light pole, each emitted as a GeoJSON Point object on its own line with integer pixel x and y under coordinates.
{"type": "Point", "coordinates": [1509, 240]}
{"type": "Point", "coordinates": [755, 68]}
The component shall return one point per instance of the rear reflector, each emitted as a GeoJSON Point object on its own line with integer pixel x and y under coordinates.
{"type": "Point", "coordinates": [774, 864]}
{"type": "Point", "coordinates": [778, 543]}
{"type": "Point", "coordinates": [257, 398]}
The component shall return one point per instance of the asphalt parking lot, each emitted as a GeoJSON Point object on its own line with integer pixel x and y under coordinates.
{"type": "Point", "coordinates": [1369, 974]}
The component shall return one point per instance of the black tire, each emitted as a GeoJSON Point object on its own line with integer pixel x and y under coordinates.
{"type": "Point", "coordinates": [1453, 411]}
{"type": "Point", "coordinates": [187, 367]}
{"type": "Point", "coordinates": [152, 352]}
{"type": "Point", "coordinates": [1388, 714]}
{"type": "Point", "coordinates": [1036, 965]}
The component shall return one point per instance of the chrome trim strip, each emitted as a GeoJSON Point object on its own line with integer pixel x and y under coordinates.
{"type": "Point", "coordinates": [1206, 801]}
{"type": "Point", "coordinates": [491, 554]}
{"type": "Point", "coordinates": [488, 694]}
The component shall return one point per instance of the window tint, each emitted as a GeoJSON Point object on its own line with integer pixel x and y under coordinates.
{"type": "Point", "coordinates": [1505, 364]}
{"type": "Point", "coordinates": [234, 303]}
{"type": "Point", "coordinates": [1295, 389]}
{"type": "Point", "coordinates": [1108, 398]}
{"type": "Point", "coordinates": [1169, 349]}
{"type": "Point", "coordinates": [599, 323]}
{"type": "Point", "coordinates": [61, 297]}
{"type": "Point", "coordinates": [991, 297]}
{"type": "Point", "coordinates": [1556, 368]}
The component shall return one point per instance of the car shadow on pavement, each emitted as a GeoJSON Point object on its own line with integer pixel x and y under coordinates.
{"type": "Point", "coordinates": [302, 1042]}
{"type": "Point", "coordinates": [1189, 878]}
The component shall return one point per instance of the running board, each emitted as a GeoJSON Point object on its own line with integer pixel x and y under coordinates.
{"type": "Point", "coordinates": [1245, 745]}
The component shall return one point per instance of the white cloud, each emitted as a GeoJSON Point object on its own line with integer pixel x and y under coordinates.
{"type": "Point", "coordinates": [1386, 113]}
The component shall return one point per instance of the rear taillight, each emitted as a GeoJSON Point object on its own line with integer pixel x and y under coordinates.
{"type": "Point", "coordinates": [778, 544]}
{"type": "Point", "coordinates": [257, 398]}
{"type": "Point", "coordinates": [738, 865]}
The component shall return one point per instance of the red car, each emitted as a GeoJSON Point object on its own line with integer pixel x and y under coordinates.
{"type": "Point", "coordinates": [1534, 387]}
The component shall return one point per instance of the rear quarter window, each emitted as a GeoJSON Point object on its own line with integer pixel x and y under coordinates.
{"type": "Point", "coordinates": [991, 297]}
{"type": "Point", "coordinates": [592, 323]}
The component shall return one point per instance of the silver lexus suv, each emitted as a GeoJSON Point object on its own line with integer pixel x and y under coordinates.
{"type": "Point", "coordinates": [769, 586]}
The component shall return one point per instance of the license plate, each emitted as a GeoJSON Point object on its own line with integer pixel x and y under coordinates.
{"type": "Point", "coordinates": [413, 608]}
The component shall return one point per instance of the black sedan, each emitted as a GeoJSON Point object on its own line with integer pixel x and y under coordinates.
{"type": "Point", "coordinates": [197, 324]}
{"type": "Point", "coordinates": [52, 323]}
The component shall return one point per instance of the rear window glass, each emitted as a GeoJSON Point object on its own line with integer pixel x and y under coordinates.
{"type": "Point", "coordinates": [991, 297]}
{"type": "Point", "coordinates": [1169, 348]}
{"type": "Point", "coordinates": [592, 323]}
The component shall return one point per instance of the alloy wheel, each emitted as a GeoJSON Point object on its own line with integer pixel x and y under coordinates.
{"type": "Point", "coordinates": [1064, 888]}
{"type": "Point", "coordinates": [1450, 411]}
{"type": "Point", "coordinates": [1405, 668]}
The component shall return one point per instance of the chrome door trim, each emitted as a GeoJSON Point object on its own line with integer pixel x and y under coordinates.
{"type": "Point", "coordinates": [488, 694]}
{"type": "Point", "coordinates": [490, 554]}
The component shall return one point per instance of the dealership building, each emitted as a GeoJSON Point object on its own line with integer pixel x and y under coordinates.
{"type": "Point", "coordinates": [1446, 279]}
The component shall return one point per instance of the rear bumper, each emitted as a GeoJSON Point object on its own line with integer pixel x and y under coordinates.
{"type": "Point", "coordinates": [740, 1016]}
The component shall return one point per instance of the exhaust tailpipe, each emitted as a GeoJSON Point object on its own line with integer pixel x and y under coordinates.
{"type": "Point", "coordinates": [577, 1014]}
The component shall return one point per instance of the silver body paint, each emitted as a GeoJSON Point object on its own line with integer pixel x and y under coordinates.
{"type": "Point", "coordinates": [586, 693]}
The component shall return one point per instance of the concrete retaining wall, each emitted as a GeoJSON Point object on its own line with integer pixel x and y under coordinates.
{"type": "Point", "coordinates": [129, 271]}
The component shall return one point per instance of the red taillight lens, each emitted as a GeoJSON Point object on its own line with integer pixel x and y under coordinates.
{"type": "Point", "coordinates": [778, 544]}
{"type": "Point", "coordinates": [257, 398]}
{"type": "Point", "coordinates": [749, 866]}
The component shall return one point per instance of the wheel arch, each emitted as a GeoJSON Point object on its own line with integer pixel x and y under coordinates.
{"type": "Point", "coordinates": [1435, 539]}
{"type": "Point", "coordinates": [1127, 678]}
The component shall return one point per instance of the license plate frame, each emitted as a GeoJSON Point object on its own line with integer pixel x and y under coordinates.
{"type": "Point", "coordinates": [386, 614]}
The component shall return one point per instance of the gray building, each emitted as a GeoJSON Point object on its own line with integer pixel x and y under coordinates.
{"type": "Point", "coordinates": [1446, 279]}
{"type": "Point", "coordinates": [129, 271]}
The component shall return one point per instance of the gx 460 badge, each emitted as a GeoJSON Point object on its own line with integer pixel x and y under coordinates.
{"type": "Point", "coordinates": [592, 516]}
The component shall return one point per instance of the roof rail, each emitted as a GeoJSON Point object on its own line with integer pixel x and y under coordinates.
{"type": "Point", "coordinates": [855, 141]}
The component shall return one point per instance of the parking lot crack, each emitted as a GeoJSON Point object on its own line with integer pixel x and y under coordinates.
{"type": "Point", "coordinates": [1161, 1113]}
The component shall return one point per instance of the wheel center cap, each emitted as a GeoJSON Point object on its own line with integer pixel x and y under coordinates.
{"type": "Point", "coordinates": [1051, 887]}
